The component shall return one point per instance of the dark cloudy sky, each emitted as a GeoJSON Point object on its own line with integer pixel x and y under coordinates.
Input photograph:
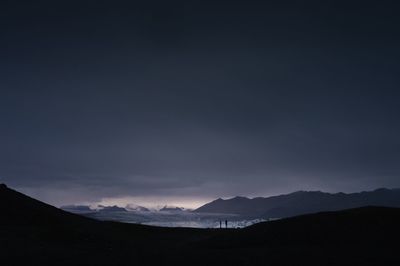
{"type": "Point", "coordinates": [194, 100]}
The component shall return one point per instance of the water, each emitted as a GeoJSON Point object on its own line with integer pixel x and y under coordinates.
{"type": "Point", "coordinates": [175, 218]}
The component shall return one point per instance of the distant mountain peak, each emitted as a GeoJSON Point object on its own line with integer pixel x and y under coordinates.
{"type": "Point", "coordinates": [240, 198]}
{"type": "Point", "coordinates": [78, 209]}
{"type": "Point", "coordinates": [382, 189]}
{"type": "Point", "coordinates": [171, 208]}
{"type": "Point", "coordinates": [114, 208]}
{"type": "Point", "coordinates": [307, 192]}
{"type": "Point", "coordinates": [301, 202]}
{"type": "Point", "coordinates": [134, 207]}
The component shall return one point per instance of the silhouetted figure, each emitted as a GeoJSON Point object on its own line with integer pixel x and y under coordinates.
{"type": "Point", "coordinates": [226, 223]}
{"type": "Point", "coordinates": [220, 224]}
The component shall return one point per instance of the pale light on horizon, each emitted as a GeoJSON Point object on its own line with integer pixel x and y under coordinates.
{"type": "Point", "coordinates": [153, 202]}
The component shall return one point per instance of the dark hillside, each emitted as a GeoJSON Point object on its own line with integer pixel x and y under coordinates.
{"type": "Point", "coordinates": [34, 233]}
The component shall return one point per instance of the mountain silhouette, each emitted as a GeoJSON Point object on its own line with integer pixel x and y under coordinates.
{"type": "Point", "coordinates": [112, 209]}
{"type": "Point", "coordinates": [302, 202]}
{"type": "Point", "coordinates": [19, 209]}
{"type": "Point", "coordinates": [171, 209]}
{"type": "Point", "coordinates": [35, 233]}
{"type": "Point", "coordinates": [77, 209]}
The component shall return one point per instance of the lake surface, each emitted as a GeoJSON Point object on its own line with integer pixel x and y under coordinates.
{"type": "Point", "coordinates": [175, 218]}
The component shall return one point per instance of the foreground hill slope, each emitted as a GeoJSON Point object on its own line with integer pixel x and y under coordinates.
{"type": "Point", "coordinates": [34, 233]}
{"type": "Point", "coordinates": [353, 226]}
{"type": "Point", "coordinates": [302, 202]}
{"type": "Point", "coordinates": [19, 209]}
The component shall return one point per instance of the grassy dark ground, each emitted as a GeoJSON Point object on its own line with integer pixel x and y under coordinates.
{"type": "Point", "coordinates": [33, 233]}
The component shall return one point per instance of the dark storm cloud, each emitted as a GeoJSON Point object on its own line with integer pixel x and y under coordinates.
{"type": "Point", "coordinates": [199, 98]}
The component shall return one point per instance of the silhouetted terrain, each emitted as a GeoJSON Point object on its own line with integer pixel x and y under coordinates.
{"type": "Point", "coordinates": [302, 202]}
{"type": "Point", "coordinates": [34, 233]}
{"type": "Point", "coordinates": [77, 209]}
{"type": "Point", "coordinates": [165, 208]}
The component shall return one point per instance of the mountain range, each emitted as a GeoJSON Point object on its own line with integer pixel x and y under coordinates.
{"type": "Point", "coordinates": [301, 202]}
{"type": "Point", "coordinates": [35, 233]}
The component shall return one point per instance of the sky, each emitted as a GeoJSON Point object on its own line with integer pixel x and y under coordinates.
{"type": "Point", "coordinates": [182, 102]}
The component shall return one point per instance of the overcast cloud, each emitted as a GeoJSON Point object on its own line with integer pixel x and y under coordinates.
{"type": "Point", "coordinates": [194, 100]}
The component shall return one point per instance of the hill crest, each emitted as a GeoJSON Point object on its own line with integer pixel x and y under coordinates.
{"type": "Point", "coordinates": [302, 202]}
